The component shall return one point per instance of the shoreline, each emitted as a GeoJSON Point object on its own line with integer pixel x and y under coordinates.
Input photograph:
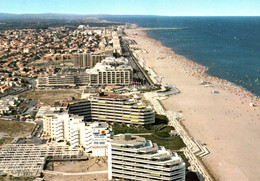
{"type": "Point", "coordinates": [206, 114]}
{"type": "Point", "coordinates": [201, 71]}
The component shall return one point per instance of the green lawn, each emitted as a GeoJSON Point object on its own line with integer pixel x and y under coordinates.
{"type": "Point", "coordinates": [159, 133]}
{"type": "Point", "coordinates": [175, 143]}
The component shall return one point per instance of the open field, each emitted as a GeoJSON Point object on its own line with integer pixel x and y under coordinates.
{"type": "Point", "coordinates": [50, 96]}
{"type": "Point", "coordinates": [99, 177]}
{"type": "Point", "coordinates": [14, 129]}
{"type": "Point", "coordinates": [91, 165]}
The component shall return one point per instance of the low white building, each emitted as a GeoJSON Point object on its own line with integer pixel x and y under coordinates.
{"type": "Point", "coordinates": [91, 136]}
{"type": "Point", "coordinates": [4, 108]}
{"type": "Point", "coordinates": [6, 103]}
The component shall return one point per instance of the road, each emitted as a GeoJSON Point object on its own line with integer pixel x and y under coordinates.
{"type": "Point", "coordinates": [29, 108]}
{"type": "Point", "coordinates": [141, 134]}
{"type": "Point", "coordinates": [138, 74]}
{"type": "Point", "coordinates": [47, 64]}
{"type": "Point", "coordinates": [21, 90]}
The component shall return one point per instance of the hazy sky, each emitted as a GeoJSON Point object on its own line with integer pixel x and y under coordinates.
{"type": "Point", "coordinates": [144, 7]}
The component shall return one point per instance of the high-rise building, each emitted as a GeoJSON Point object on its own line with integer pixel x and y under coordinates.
{"type": "Point", "coordinates": [111, 71]}
{"type": "Point", "coordinates": [135, 158]}
{"type": "Point", "coordinates": [87, 60]}
{"type": "Point", "coordinates": [113, 108]}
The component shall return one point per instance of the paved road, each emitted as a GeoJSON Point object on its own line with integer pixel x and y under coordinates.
{"type": "Point", "coordinates": [138, 75]}
{"type": "Point", "coordinates": [141, 134]}
{"type": "Point", "coordinates": [21, 90]}
{"type": "Point", "coordinates": [29, 108]}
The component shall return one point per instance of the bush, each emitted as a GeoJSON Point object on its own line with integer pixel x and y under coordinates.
{"type": "Point", "coordinates": [161, 119]}
{"type": "Point", "coordinates": [192, 176]}
{"type": "Point", "coordinates": [163, 134]}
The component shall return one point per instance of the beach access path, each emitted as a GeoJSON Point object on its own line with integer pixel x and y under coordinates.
{"type": "Point", "coordinates": [224, 122]}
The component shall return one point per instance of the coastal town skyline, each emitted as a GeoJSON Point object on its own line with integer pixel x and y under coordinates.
{"type": "Point", "coordinates": [134, 7]}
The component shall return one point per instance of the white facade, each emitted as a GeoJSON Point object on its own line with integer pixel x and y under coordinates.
{"type": "Point", "coordinates": [92, 136]}
{"type": "Point", "coordinates": [7, 102]}
{"type": "Point", "coordinates": [135, 158]}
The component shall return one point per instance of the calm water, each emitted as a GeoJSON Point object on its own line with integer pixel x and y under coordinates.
{"type": "Point", "coordinates": [228, 46]}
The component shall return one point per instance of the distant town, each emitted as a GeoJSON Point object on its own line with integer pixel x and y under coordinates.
{"type": "Point", "coordinates": [76, 101]}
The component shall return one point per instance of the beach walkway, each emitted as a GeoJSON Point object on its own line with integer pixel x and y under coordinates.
{"type": "Point", "coordinates": [194, 148]}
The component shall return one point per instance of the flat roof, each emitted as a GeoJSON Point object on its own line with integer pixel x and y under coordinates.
{"type": "Point", "coordinates": [128, 139]}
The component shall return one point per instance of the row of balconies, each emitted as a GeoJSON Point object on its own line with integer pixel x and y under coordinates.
{"type": "Point", "coordinates": [122, 121]}
{"type": "Point", "coordinates": [106, 103]}
{"type": "Point", "coordinates": [74, 141]}
{"type": "Point", "coordinates": [59, 132]}
{"type": "Point", "coordinates": [162, 172]}
{"type": "Point", "coordinates": [109, 106]}
{"type": "Point", "coordinates": [150, 175]}
{"type": "Point", "coordinates": [122, 117]}
{"type": "Point", "coordinates": [154, 162]}
{"type": "Point", "coordinates": [134, 154]}
{"type": "Point", "coordinates": [150, 166]}
{"type": "Point", "coordinates": [120, 112]}
{"type": "Point", "coordinates": [143, 156]}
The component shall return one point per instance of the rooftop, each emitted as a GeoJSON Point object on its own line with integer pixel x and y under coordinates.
{"type": "Point", "coordinates": [128, 139]}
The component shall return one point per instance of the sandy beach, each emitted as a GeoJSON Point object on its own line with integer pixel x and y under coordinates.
{"type": "Point", "coordinates": [224, 122]}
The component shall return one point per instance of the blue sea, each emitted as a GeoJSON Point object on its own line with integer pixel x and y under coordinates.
{"type": "Point", "coordinates": [228, 46]}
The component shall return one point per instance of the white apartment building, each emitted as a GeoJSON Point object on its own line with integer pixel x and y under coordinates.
{"type": "Point", "coordinates": [110, 71]}
{"type": "Point", "coordinates": [135, 158]}
{"type": "Point", "coordinates": [92, 136]}
{"type": "Point", "coordinates": [113, 108]}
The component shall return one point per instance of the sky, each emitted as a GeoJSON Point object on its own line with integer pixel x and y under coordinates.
{"type": "Point", "coordinates": [135, 7]}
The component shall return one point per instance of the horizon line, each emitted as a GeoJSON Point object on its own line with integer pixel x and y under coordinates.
{"type": "Point", "coordinates": [130, 15]}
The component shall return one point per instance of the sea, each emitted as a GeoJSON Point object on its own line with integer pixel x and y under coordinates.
{"type": "Point", "coordinates": [228, 46]}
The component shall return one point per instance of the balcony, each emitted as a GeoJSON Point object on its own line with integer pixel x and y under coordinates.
{"type": "Point", "coordinates": [150, 175]}
{"type": "Point", "coordinates": [149, 166]}
{"type": "Point", "coordinates": [154, 162]}
{"type": "Point", "coordinates": [161, 172]}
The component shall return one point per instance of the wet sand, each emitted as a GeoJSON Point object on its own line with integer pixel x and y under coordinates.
{"type": "Point", "coordinates": [224, 122]}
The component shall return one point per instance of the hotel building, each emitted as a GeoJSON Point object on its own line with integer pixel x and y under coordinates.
{"type": "Point", "coordinates": [110, 71]}
{"type": "Point", "coordinates": [135, 158]}
{"type": "Point", "coordinates": [91, 136]}
{"type": "Point", "coordinates": [113, 108]}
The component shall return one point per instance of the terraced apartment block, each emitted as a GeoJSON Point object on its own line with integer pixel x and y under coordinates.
{"type": "Point", "coordinates": [135, 158]}
{"type": "Point", "coordinates": [113, 108]}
